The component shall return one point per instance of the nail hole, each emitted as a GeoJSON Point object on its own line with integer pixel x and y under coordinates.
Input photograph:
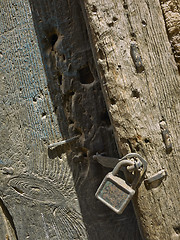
{"type": "Point", "coordinates": [144, 23]}
{"type": "Point", "coordinates": [94, 8]}
{"type": "Point", "coordinates": [53, 39]}
{"type": "Point", "coordinates": [115, 19]}
{"type": "Point", "coordinates": [110, 24]}
{"type": "Point", "coordinates": [34, 99]}
{"type": "Point", "coordinates": [133, 34]}
{"type": "Point", "coordinates": [43, 114]}
{"type": "Point", "coordinates": [125, 6]}
{"type": "Point", "coordinates": [135, 93]}
{"type": "Point", "coordinates": [71, 121]}
{"type": "Point", "coordinates": [86, 76]}
{"type": "Point", "coordinates": [84, 155]}
{"type": "Point", "coordinates": [113, 101]}
{"type": "Point", "coordinates": [146, 140]}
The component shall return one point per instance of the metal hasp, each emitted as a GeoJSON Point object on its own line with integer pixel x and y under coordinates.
{"type": "Point", "coordinates": [115, 192]}
{"type": "Point", "coordinates": [155, 180]}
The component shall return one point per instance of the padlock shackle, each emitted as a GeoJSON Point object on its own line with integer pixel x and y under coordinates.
{"type": "Point", "coordinates": [122, 163]}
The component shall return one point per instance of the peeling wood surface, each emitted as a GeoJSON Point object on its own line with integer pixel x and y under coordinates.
{"type": "Point", "coordinates": [139, 101]}
{"type": "Point", "coordinates": [49, 193]}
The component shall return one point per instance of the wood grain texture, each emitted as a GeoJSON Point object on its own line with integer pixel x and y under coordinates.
{"type": "Point", "coordinates": [139, 101]}
{"type": "Point", "coordinates": [171, 11]}
{"type": "Point", "coordinates": [38, 196]}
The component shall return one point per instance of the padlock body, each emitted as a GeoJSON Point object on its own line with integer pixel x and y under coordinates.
{"type": "Point", "coordinates": [115, 193]}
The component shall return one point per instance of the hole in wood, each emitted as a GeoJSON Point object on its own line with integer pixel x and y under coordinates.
{"type": "Point", "coordinates": [71, 121]}
{"type": "Point", "coordinates": [53, 39]}
{"type": "Point", "coordinates": [84, 154]}
{"type": "Point", "coordinates": [94, 8]}
{"type": "Point", "coordinates": [85, 75]}
{"type": "Point", "coordinates": [146, 140]}
{"type": "Point", "coordinates": [133, 35]}
{"type": "Point", "coordinates": [115, 19]}
{"type": "Point", "coordinates": [60, 79]}
{"type": "Point", "coordinates": [125, 6]}
{"type": "Point", "coordinates": [110, 24]}
{"type": "Point", "coordinates": [135, 93]}
{"type": "Point", "coordinates": [34, 99]}
{"type": "Point", "coordinates": [144, 23]}
{"type": "Point", "coordinates": [43, 114]}
{"type": "Point", "coordinates": [63, 56]}
{"type": "Point", "coordinates": [112, 101]}
{"type": "Point", "coordinates": [177, 229]}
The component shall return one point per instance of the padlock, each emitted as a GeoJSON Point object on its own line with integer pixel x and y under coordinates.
{"type": "Point", "coordinates": [114, 191]}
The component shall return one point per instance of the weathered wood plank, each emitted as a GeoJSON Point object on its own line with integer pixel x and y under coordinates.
{"type": "Point", "coordinates": [39, 200]}
{"type": "Point", "coordinates": [72, 80]}
{"type": "Point", "coordinates": [141, 97]}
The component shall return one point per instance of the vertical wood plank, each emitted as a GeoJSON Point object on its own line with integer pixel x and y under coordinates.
{"type": "Point", "coordinates": [141, 86]}
{"type": "Point", "coordinates": [39, 200]}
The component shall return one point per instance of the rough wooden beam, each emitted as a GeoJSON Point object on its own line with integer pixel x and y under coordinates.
{"type": "Point", "coordinates": [141, 85]}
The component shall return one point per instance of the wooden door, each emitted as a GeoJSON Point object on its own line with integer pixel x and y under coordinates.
{"type": "Point", "coordinates": [50, 92]}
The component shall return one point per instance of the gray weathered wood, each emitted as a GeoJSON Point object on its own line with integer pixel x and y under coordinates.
{"type": "Point", "coordinates": [41, 189]}
{"type": "Point", "coordinates": [38, 197]}
{"type": "Point", "coordinates": [140, 80]}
